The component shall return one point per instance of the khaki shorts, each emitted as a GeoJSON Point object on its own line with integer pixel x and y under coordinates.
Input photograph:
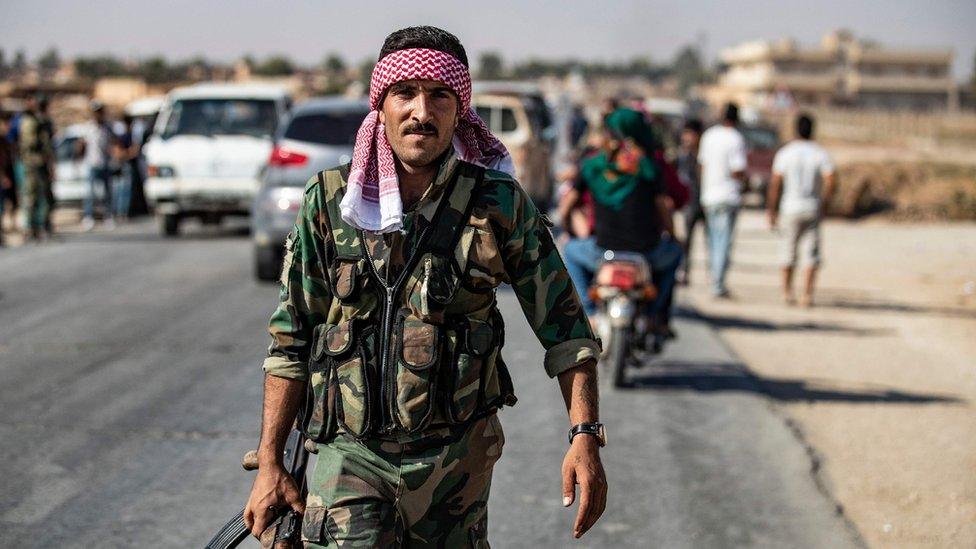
{"type": "Point", "coordinates": [800, 237]}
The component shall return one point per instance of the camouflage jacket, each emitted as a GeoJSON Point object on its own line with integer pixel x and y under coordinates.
{"type": "Point", "coordinates": [35, 141]}
{"type": "Point", "coordinates": [504, 240]}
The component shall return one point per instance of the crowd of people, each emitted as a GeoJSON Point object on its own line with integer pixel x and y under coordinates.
{"type": "Point", "coordinates": [623, 192]}
{"type": "Point", "coordinates": [109, 154]}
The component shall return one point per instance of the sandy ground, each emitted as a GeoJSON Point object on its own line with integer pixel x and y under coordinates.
{"type": "Point", "coordinates": [880, 377]}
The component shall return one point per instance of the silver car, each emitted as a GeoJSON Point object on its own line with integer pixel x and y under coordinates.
{"type": "Point", "coordinates": [316, 135]}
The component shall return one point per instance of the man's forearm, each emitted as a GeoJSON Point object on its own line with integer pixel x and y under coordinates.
{"type": "Point", "coordinates": [282, 397]}
{"type": "Point", "coordinates": [579, 388]}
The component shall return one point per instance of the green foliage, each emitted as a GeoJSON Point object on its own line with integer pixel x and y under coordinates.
{"type": "Point", "coordinates": [334, 64]}
{"type": "Point", "coordinates": [276, 65]}
{"type": "Point", "coordinates": [50, 60]}
{"type": "Point", "coordinates": [366, 71]}
{"type": "Point", "coordinates": [491, 66]}
{"type": "Point", "coordinates": [100, 66]}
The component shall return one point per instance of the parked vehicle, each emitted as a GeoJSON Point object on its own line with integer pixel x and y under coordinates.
{"type": "Point", "coordinates": [622, 289]}
{"type": "Point", "coordinates": [317, 135]}
{"type": "Point", "coordinates": [210, 143]}
{"type": "Point", "coordinates": [518, 115]}
{"type": "Point", "coordinates": [761, 145]}
{"type": "Point", "coordinates": [71, 174]}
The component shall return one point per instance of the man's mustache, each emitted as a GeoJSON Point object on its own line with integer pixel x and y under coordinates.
{"type": "Point", "coordinates": [420, 129]}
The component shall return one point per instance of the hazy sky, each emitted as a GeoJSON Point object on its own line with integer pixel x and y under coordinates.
{"type": "Point", "coordinates": [596, 29]}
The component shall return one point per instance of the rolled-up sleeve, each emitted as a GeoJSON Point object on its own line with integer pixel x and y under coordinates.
{"type": "Point", "coordinates": [304, 296]}
{"type": "Point", "coordinates": [545, 291]}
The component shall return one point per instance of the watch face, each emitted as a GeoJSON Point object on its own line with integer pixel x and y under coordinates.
{"type": "Point", "coordinates": [603, 435]}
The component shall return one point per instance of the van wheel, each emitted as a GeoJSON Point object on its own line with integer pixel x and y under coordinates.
{"type": "Point", "coordinates": [171, 225]}
{"type": "Point", "coordinates": [267, 263]}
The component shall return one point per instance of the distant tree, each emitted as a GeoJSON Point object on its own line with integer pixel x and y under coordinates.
{"type": "Point", "coordinates": [688, 69]}
{"type": "Point", "coordinates": [972, 79]}
{"type": "Point", "coordinates": [99, 66]}
{"type": "Point", "coordinates": [3, 63]}
{"type": "Point", "coordinates": [155, 70]}
{"type": "Point", "coordinates": [276, 65]}
{"type": "Point", "coordinates": [490, 66]}
{"type": "Point", "coordinates": [20, 61]}
{"type": "Point", "coordinates": [366, 71]}
{"type": "Point", "coordinates": [50, 60]}
{"type": "Point", "coordinates": [334, 64]}
{"type": "Point", "coordinates": [249, 60]}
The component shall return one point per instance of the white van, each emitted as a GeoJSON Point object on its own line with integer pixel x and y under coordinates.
{"type": "Point", "coordinates": [210, 143]}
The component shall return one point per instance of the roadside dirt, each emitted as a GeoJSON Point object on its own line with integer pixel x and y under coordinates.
{"type": "Point", "coordinates": [880, 377]}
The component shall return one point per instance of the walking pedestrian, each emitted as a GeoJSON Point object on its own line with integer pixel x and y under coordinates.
{"type": "Point", "coordinates": [722, 155]}
{"type": "Point", "coordinates": [98, 143]}
{"type": "Point", "coordinates": [388, 320]}
{"type": "Point", "coordinates": [8, 188]}
{"type": "Point", "coordinates": [127, 157]}
{"type": "Point", "coordinates": [689, 172]}
{"type": "Point", "coordinates": [37, 155]}
{"type": "Point", "coordinates": [800, 190]}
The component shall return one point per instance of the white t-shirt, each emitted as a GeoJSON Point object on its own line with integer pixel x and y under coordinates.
{"type": "Point", "coordinates": [803, 164]}
{"type": "Point", "coordinates": [721, 153]}
{"type": "Point", "coordinates": [98, 145]}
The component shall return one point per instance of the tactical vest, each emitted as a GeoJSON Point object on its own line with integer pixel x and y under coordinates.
{"type": "Point", "coordinates": [419, 351]}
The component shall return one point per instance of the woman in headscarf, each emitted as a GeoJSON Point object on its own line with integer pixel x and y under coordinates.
{"type": "Point", "coordinates": [633, 211]}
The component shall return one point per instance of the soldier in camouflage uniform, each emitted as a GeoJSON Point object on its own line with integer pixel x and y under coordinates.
{"type": "Point", "coordinates": [37, 155]}
{"type": "Point", "coordinates": [389, 342]}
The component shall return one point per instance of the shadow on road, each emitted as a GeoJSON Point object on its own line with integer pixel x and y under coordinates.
{"type": "Point", "coordinates": [730, 376]}
{"type": "Point", "coordinates": [729, 321]}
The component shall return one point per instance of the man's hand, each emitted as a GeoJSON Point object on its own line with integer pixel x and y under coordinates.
{"type": "Point", "coordinates": [773, 218]}
{"type": "Point", "coordinates": [273, 487]}
{"type": "Point", "coordinates": [582, 466]}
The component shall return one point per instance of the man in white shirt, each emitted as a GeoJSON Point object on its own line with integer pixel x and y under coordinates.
{"type": "Point", "coordinates": [99, 141]}
{"type": "Point", "coordinates": [802, 185]}
{"type": "Point", "coordinates": [722, 156]}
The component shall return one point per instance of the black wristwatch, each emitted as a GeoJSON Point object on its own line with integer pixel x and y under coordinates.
{"type": "Point", "coordinates": [595, 429]}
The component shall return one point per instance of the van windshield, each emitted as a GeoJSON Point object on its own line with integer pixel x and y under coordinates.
{"type": "Point", "coordinates": [253, 117]}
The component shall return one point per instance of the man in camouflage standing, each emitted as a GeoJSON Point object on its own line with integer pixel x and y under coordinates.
{"type": "Point", "coordinates": [388, 329]}
{"type": "Point", "coordinates": [37, 154]}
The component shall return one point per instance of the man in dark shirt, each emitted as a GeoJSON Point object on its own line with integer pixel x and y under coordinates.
{"type": "Point", "coordinates": [633, 213]}
{"type": "Point", "coordinates": [688, 171]}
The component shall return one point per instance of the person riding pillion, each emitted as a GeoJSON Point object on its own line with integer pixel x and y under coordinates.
{"type": "Point", "coordinates": [388, 320]}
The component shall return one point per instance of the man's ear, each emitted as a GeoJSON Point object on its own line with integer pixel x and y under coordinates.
{"type": "Point", "coordinates": [382, 117]}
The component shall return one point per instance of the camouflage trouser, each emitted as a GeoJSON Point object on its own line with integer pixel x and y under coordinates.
{"type": "Point", "coordinates": [38, 197]}
{"type": "Point", "coordinates": [430, 493]}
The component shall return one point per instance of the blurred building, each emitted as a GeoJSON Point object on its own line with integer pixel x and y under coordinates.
{"type": "Point", "coordinates": [843, 70]}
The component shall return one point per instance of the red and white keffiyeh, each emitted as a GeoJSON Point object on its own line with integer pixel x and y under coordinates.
{"type": "Point", "coordinates": [372, 200]}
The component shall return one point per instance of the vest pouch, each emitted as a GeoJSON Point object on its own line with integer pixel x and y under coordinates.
{"type": "Point", "coordinates": [345, 358]}
{"type": "Point", "coordinates": [320, 414]}
{"type": "Point", "coordinates": [346, 279]}
{"type": "Point", "coordinates": [418, 350]}
{"type": "Point", "coordinates": [474, 347]}
{"type": "Point", "coordinates": [439, 283]}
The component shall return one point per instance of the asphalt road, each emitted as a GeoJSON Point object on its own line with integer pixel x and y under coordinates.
{"type": "Point", "coordinates": [130, 387]}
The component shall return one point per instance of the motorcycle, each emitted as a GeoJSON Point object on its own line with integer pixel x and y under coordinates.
{"type": "Point", "coordinates": [622, 290]}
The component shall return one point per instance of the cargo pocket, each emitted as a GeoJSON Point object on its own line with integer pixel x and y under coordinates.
{"type": "Point", "coordinates": [346, 276]}
{"type": "Point", "coordinates": [320, 416]}
{"type": "Point", "coordinates": [438, 283]}
{"type": "Point", "coordinates": [352, 404]}
{"type": "Point", "coordinates": [473, 347]}
{"type": "Point", "coordinates": [418, 351]}
{"type": "Point", "coordinates": [313, 524]}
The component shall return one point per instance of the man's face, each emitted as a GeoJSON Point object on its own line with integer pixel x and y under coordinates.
{"type": "Point", "coordinates": [689, 139]}
{"type": "Point", "coordinates": [420, 117]}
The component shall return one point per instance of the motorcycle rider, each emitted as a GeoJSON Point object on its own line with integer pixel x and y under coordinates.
{"type": "Point", "coordinates": [633, 213]}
